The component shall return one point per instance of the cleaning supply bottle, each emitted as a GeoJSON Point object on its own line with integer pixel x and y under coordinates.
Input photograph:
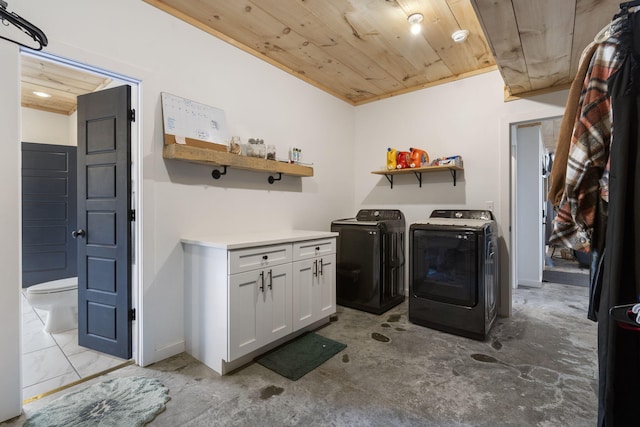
{"type": "Point", "coordinates": [402, 159]}
{"type": "Point", "coordinates": [391, 158]}
{"type": "Point", "coordinates": [418, 158]}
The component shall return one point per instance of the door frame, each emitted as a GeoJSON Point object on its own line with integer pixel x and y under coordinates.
{"type": "Point", "coordinates": [547, 109]}
{"type": "Point", "coordinates": [512, 125]}
{"type": "Point", "coordinates": [535, 282]}
{"type": "Point", "coordinates": [136, 185]}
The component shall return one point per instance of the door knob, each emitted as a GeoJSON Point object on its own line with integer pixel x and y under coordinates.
{"type": "Point", "coordinates": [79, 233]}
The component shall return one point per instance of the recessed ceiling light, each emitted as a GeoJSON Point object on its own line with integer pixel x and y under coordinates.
{"type": "Point", "coordinates": [460, 35]}
{"type": "Point", "coordinates": [415, 19]}
{"type": "Point", "coordinates": [42, 94]}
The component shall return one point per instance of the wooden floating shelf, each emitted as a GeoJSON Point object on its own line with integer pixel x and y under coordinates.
{"type": "Point", "coordinates": [418, 172]}
{"type": "Point", "coordinates": [206, 156]}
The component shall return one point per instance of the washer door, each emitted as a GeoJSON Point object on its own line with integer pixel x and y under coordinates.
{"type": "Point", "coordinates": [444, 266]}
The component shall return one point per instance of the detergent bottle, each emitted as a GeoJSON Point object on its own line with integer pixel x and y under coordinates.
{"type": "Point", "coordinates": [391, 158]}
{"type": "Point", "coordinates": [402, 159]}
{"type": "Point", "coordinates": [418, 158]}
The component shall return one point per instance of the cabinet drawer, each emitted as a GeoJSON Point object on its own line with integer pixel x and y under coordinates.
{"type": "Point", "coordinates": [313, 248]}
{"type": "Point", "coordinates": [253, 258]}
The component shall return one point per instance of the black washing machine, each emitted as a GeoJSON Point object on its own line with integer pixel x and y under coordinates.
{"type": "Point", "coordinates": [370, 260]}
{"type": "Point", "coordinates": [453, 272]}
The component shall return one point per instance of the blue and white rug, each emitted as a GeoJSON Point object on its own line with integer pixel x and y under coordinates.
{"type": "Point", "coordinates": [128, 401]}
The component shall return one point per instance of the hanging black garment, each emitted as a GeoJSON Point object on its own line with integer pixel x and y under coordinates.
{"type": "Point", "coordinates": [596, 267]}
{"type": "Point", "coordinates": [619, 349]}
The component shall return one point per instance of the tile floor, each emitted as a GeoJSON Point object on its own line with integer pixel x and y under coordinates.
{"type": "Point", "coordinates": [50, 361]}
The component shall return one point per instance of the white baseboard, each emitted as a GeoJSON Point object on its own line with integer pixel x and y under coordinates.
{"type": "Point", "coordinates": [167, 351]}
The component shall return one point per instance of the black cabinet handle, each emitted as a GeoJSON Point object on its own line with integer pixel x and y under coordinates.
{"type": "Point", "coordinates": [315, 268]}
{"type": "Point", "coordinates": [265, 257]}
{"type": "Point", "coordinates": [80, 233]}
{"type": "Point", "coordinates": [262, 281]}
{"type": "Point", "coordinates": [321, 273]}
{"type": "Point", "coordinates": [270, 279]}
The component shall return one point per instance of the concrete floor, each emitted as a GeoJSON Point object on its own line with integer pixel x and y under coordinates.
{"type": "Point", "coordinates": [538, 368]}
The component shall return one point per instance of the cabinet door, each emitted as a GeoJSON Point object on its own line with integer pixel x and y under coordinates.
{"type": "Point", "coordinates": [243, 334]}
{"type": "Point", "coordinates": [303, 278]}
{"type": "Point", "coordinates": [259, 308]}
{"type": "Point", "coordinates": [274, 303]}
{"type": "Point", "coordinates": [325, 292]}
{"type": "Point", "coordinates": [314, 292]}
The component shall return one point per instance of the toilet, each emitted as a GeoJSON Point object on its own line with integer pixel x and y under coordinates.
{"type": "Point", "coordinates": [60, 299]}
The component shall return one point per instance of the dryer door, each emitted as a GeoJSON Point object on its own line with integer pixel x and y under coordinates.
{"type": "Point", "coordinates": [444, 266]}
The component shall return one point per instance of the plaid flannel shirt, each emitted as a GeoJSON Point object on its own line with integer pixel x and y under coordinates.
{"type": "Point", "coordinates": [588, 162]}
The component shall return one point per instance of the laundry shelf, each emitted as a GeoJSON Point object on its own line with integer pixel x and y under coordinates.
{"type": "Point", "coordinates": [214, 157]}
{"type": "Point", "coordinates": [389, 174]}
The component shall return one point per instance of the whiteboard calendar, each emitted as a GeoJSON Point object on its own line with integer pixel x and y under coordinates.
{"type": "Point", "coordinates": [185, 118]}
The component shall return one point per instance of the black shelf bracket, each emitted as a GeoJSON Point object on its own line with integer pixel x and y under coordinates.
{"type": "Point", "coordinates": [216, 174]}
{"type": "Point", "coordinates": [419, 177]}
{"type": "Point", "coordinates": [418, 174]}
{"type": "Point", "coordinates": [390, 179]}
{"type": "Point", "coordinates": [272, 179]}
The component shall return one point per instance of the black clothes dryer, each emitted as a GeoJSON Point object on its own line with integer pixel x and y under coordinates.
{"type": "Point", "coordinates": [370, 260]}
{"type": "Point", "coordinates": [453, 272]}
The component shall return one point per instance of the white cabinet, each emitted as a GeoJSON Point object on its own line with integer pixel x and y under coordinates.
{"type": "Point", "coordinates": [246, 295]}
{"type": "Point", "coordinates": [314, 296]}
{"type": "Point", "coordinates": [259, 308]}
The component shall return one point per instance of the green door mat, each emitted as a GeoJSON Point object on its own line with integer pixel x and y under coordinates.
{"type": "Point", "coordinates": [305, 353]}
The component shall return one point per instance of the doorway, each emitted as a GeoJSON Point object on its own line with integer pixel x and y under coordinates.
{"type": "Point", "coordinates": [532, 150]}
{"type": "Point", "coordinates": [527, 150]}
{"type": "Point", "coordinates": [53, 360]}
{"type": "Point", "coordinates": [561, 265]}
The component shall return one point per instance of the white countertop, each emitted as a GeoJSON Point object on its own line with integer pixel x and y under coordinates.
{"type": "Point", "coordinates": [248, 240]}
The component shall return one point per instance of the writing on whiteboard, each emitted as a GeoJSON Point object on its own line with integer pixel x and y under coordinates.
{"type": "Point", "coordinates": [185, 118]}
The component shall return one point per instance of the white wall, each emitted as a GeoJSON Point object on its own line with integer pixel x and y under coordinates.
{"type": "Point", "coordinates": [467, 117]}
{"type": "Point", "coordinates": [47, 128]}
{"type": "Point", "coordinates": [453, 119]}
{"type": "Point", "coordinates": [10, 381]}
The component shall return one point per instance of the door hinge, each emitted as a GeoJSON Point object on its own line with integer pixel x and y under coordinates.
{"type": "Point", "coordinates": [132, 215]}
{"type": "Point", "coordinates": [132, 115]}
{"type": "Point", "coordinates": [132, 314]}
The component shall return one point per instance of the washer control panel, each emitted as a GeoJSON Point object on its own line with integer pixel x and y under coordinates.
{"type": "Point", "coordinates": [379, 215]}
{"type": "Point", "coordinates": [462, 214]}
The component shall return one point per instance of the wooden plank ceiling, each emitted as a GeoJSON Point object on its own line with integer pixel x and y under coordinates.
{"type": "Point", "coordinates": [357, 50]}
{"type": "Point", "coordinates": [62, 83]}
{"type": "Point", "coordinates": [362, 50]}
{"type": "Point", "coordinates": [537, 44]}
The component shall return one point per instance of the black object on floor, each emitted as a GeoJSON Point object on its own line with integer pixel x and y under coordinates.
{"type": "Point", "coordinates": [565, 278]}
{"type": "Point", "coordinates": [296, 358]}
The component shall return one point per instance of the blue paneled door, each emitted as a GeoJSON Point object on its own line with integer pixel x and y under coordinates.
{"type": "Point", "coordinates": [48, 212]}
{"type": "Point", "coordinates": [103, 231]}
